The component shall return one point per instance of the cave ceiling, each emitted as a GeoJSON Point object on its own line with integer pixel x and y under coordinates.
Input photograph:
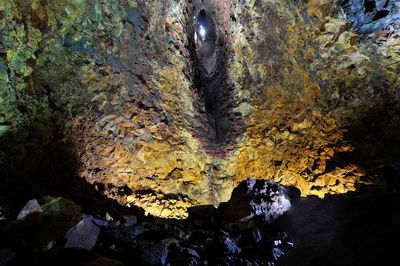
{"type": "Point", "coordinates": [171, 104]}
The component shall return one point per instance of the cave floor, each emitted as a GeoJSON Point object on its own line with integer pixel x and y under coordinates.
{"type": "Point", "coordinates": [358, 228]}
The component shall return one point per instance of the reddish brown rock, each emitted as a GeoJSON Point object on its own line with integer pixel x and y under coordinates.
{"type": "Point", "coordinates": [299, 92]}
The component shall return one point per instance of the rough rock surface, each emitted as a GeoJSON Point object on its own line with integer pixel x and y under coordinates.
{"type": "Point", "coordinates": [371, 15]}
{"type": "Point", "coordinates": [268, 199]}
{"type": "Point", "coordinates": [142, 240]}
{"type": "Point", "coordinates": [306, 99]}
{"type": "Point", "coordinates": [84, 235]}
{"type": "Point", "coordinates": [30, 208]}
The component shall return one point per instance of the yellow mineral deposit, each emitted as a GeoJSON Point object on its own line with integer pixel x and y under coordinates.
{"type": "Point", "coordinates": [120, 83]}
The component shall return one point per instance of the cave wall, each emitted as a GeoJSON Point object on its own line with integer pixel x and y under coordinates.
{"type": "Point", "coordinates": [312, 101]}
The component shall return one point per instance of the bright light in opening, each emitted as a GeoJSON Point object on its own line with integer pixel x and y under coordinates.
{"type": "Point", "coordinates": [202, 32]}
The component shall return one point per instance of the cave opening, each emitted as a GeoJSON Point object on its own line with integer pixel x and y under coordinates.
{"type": "Point", "coordinates": [219, 125]}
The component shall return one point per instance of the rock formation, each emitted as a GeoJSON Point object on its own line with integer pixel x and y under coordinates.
{"type": "Point", "coordinates": [304, 93]}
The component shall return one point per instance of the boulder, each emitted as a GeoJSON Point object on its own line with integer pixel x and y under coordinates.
{"type": "Point", "coordinates": [83, 236]}
{"type": "Point", "coordinates": [60, 206]}
{"type": "Point", "coordinates": [30, 208]}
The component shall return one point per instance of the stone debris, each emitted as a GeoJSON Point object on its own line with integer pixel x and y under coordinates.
{"type": "Point", "coordinates": [276, 253]}
{"type": "Point", "coordinates": [256, 235]}
{"type": "Point", "coordinates": [211, 236]}
{"type": "Point", "coordinates": [30, 208]}
{"type": "Point", "coordinates": [153, 241]}
{"type": "Point", "coordinates": [50, 245]}
{"type": "Point", "coordinates": [83, 236]}
{"type": "Point", "coordinates": [108, 217]}
{"type": "Point", "coordinates": [130, 220]}
{"type": "Point", "coordinates": [60, 206]}
{"type": "Point", "coordinates": [153, 254]}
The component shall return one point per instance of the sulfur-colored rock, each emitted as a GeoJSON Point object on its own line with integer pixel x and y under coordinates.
{"type": "Point", "coordinates": [115, 81]}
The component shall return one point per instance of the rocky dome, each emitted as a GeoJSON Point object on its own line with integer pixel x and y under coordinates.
{"type": "Point", "coordinates": [169, 105]}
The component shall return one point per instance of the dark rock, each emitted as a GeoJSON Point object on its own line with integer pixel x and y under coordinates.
{"type": "Point", "coordinates": [130, 220]}
{"type": "Point", "coordinates": [6, 255]}
{"type": "Point", "coordinates": [75, 48]}
{"type": "Point", "coordinates": [175, 254]}
{"type": "Point", "coordinates": [192, 252]}
{"type": "Point", "coordinates": [169, 241]}
{"type": "Point", "coordinates": [102, 223]}
{"type": "Point", "coordinates": [225, 244]}
{"type": "Point", "coordinates": [49, 245]}
{"type": "Point", "coordinates": [103, 261]}
{"type": "Point", "coordinates": [221, 261]}
{"type": "Point", "coordinates": [81, 42]}
{"type": "Point", "coordinates": [108, 217]}
{"type": "Point", "coordinates": [83, 236]}
{"type": "Point", "coordinates": [99, 62]}
{"type": "Point", "coordinates": [133, 16]}
{"type": "Point", "coordinates": [68, 42]}
{"type": "Point", "coordinates": [231, 246]}
{"type": "Point", "coordinates": [285, 246]}
{"type": "Point", "coordinates": [276, 253]}
{"type": "Point", "coordinates": [60, 206]}
{"type": "Point", "coordinates": [128, 233]}
{"type": "Point", "coordinates": [256, 235]}
{"type": "Point", "coordinates": [154, 255]}
{"type": "Point", "coordinates": [87, 50]}
{"type": "Point", "coordinates": [30, 208]}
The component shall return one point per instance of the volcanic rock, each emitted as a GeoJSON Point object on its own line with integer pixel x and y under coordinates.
{"type": "Point", "coordinates": [31, 208]}
{"type": "Point", "coordinates": [83, 236]}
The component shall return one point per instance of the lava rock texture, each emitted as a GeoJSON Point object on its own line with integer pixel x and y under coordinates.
{"type": "Point", "coordinates": [370, 15]}
{"type": "Point", "coordinates": [113, 92]}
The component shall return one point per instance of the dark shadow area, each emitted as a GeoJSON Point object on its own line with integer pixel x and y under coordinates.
{"type": "Point", "coordinates": [34, 168]}
{"type": "Point", "coordinates": [376, 141]}
{"type": "Point", "coordinates": [43, 163]}
{"type": "Point", "coordinates": [357, 228]}
{"type": "Point", "coordinates": [212, 235]}
{"type": "Point", "coordinates": [257, 237]}
{"type": "Point", "coordinates": [237, 208]}
{"type": "Point", "coordinates": [380, 14]}
{"type": "Point", "coordinates": [369, 5]}
{"type": "Point", "coordinates": [360, 227]}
